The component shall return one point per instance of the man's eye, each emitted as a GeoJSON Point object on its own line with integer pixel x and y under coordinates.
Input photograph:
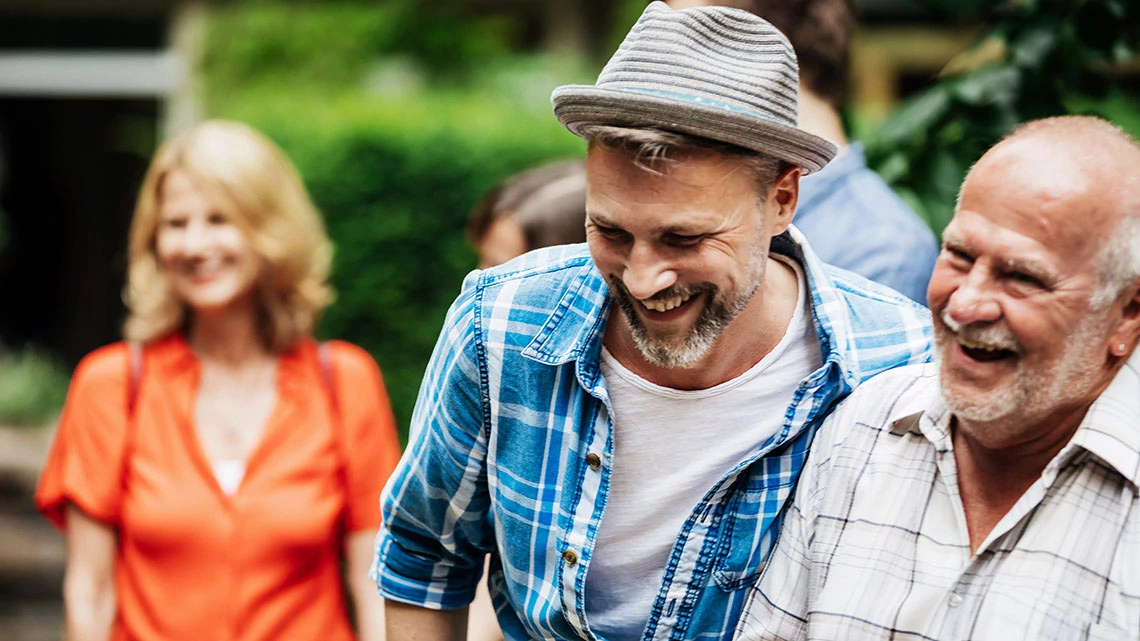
{"type": "Point", "coordinates": [957, 255]}
{"type": "Point", "coordinates": [611, 233]}
{"type": "Point", "coordinates": [681, 240]}
{"type": "Point", "coordinates": [1022, 278]}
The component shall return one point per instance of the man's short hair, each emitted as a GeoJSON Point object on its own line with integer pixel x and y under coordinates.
{"type": "Point", "coordinates": [820, 32]}
{"type": "Point", "coordinates": [655, 149]}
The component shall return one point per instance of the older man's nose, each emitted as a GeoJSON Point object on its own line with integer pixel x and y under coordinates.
{"type": "Point", "coordinates": [975, 300]}
{"type": "Point", "coordinates": [646, 273]}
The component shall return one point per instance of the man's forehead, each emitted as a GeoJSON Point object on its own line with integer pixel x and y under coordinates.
{"type": "Point", "coordinates": [1053, 200]}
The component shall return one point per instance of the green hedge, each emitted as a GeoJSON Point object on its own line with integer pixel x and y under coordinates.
{"type": "Point", "coordinates": [395, 182]}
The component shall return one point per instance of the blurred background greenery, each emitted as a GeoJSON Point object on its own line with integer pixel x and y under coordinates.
{"type": "Point", "coordinates": [1034, 58]}
{"type": "Point", "coordinates": [400, 113]}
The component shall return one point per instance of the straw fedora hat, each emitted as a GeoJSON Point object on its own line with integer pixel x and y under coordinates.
{"type": "Point", "coordinates": [714, 72]}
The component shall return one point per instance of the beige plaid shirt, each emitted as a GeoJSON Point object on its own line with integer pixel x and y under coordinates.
{"type": "Point", "coordinates": [875, 544]}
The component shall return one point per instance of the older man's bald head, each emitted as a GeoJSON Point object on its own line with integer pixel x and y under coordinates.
{"type": "Point", "coordinates": [1056, 159]}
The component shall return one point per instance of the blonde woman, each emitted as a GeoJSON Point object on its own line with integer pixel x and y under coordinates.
{"type": "Point", "coordinates": [215, 474]}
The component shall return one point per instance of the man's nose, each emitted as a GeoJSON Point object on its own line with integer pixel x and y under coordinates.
{"type": "Point", "coordinates": [975, 299]}
{"type": "Point", "coordinates": [646, 272]}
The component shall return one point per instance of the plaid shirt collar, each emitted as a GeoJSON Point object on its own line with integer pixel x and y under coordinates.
{"type": "Point", "coordinates": [1108, 431]}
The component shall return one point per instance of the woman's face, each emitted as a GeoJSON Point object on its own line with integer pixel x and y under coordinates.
{"type": "Point", "coordinates": [209, 261]}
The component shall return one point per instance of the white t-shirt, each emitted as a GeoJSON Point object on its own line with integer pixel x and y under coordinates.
{"type": "Point", "coordinates": [670, 447]}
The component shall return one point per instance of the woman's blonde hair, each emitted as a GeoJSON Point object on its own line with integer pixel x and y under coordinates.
{"type": "Point", "coordinates": [251, 181]}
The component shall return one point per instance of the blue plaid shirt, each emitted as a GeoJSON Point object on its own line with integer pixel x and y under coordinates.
{"type": "Point", "coordinates": [512, 444]}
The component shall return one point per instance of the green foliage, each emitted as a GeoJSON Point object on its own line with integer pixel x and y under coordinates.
{"type": "Point", "coordinates": [1053, 57]}
{"type": "Point", "coordinates": [396, 182]}
{"type": "Point", "coordinates": [332, 44]}
{"type": "Point", "coordinates": [32, 387]}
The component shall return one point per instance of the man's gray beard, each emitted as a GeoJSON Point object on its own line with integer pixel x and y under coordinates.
{"type": "Point", "coordinates": [1027, 391]}
{"type": "Point", "coordinates": [715, 316]}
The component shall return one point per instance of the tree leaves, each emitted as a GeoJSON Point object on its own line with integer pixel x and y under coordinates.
{"type": "Point", "coordinates": [1055, 63]}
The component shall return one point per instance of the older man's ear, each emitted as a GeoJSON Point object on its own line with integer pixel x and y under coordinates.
{"type": "Point", "coordinates": [1123, 339]}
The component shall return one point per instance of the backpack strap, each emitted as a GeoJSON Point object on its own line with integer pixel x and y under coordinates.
{"type": "Point", "coordinates": [328, 377]}
{"type": "Point", "coordinates": [134, 375]}
{"type": "Point", "coordinates": [134, 379]}
{"type": "Point", "coordinates": [324, 357]}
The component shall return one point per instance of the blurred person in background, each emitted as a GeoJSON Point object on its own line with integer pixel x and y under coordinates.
{"type": "Point", "coordinates": [214, 473]}
{"type": "Point", "coordinates": [848, 212]}
{"type": "Point", "coordinates": [535, 208]}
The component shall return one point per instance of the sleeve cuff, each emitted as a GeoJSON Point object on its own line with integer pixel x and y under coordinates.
{"type": "Point", "coordinates": [415, 580]}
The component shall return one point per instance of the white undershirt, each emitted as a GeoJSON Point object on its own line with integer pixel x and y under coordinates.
{"type": "Point", "coordinates": [670, 447]}
{"type": "Point", "coordinates": [229, 473]}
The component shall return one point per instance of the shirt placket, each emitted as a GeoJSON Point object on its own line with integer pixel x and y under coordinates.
{"type": "Point", "coordinates": [693, 570]}
{"type": "Point", "coordinates": [697, 556]}
{"type": "Point", "coordinates": [578, 543]}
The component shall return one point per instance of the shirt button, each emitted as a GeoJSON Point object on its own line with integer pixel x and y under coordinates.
{"type": "Point", "coordinates": [593, 460]}
{"type": "Point", "coordinates": [570, 557]}
{"type": "Point", "coordinates": [955, 600]}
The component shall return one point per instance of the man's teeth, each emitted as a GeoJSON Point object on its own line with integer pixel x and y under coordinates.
{"type": "Point", "coordinates": [666, 305]}
{"type": "Point", "coordinates": [968, 344]}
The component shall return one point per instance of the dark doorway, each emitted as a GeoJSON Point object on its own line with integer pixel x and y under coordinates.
{"type": "Point", "coordinates": [72, 170]}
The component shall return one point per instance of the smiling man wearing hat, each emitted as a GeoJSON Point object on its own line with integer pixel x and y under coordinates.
{"type": "Point", "coordinates": [620, 425]}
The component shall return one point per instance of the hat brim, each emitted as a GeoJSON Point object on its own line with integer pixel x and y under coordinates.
{"type": "Point", "coordinates": [580, 105]}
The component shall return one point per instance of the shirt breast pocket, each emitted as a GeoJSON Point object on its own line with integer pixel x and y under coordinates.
{"type": "Point", "coordinates": [748, 533]}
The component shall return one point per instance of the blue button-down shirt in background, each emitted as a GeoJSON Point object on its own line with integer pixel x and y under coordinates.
{"type": "Point", "coordinates": [853, 220]}
{"type": "Point", "coordinates": [512, 448]}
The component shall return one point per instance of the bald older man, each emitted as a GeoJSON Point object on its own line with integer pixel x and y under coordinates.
{"type": "Point", "coordinates": [993, 494]}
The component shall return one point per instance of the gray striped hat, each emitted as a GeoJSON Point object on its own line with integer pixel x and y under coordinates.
{"type": "Point", "coordinates": [714, 72]}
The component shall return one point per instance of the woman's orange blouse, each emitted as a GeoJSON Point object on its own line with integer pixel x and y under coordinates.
{"type": "Point", "coordinates": [192, 562]}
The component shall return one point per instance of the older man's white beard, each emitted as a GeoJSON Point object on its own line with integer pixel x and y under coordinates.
{"type": "Point", "coordinates": [1029, 390]}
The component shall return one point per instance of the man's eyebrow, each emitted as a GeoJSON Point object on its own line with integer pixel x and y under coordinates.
{"type": "Point", "coordinates": [1030, 267]}
{"type": "Point", "coordinates": [598, 219]}
{"type": "Point", "coordinates": [679, 230]}
{"type": "Point", "coordinates": [953, 241]}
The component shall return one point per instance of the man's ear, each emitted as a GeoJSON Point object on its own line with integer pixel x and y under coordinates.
{"type": "Point", "coordinates": [1127, 331]}
{"type": "Point", "coordinates": [782, 199]}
